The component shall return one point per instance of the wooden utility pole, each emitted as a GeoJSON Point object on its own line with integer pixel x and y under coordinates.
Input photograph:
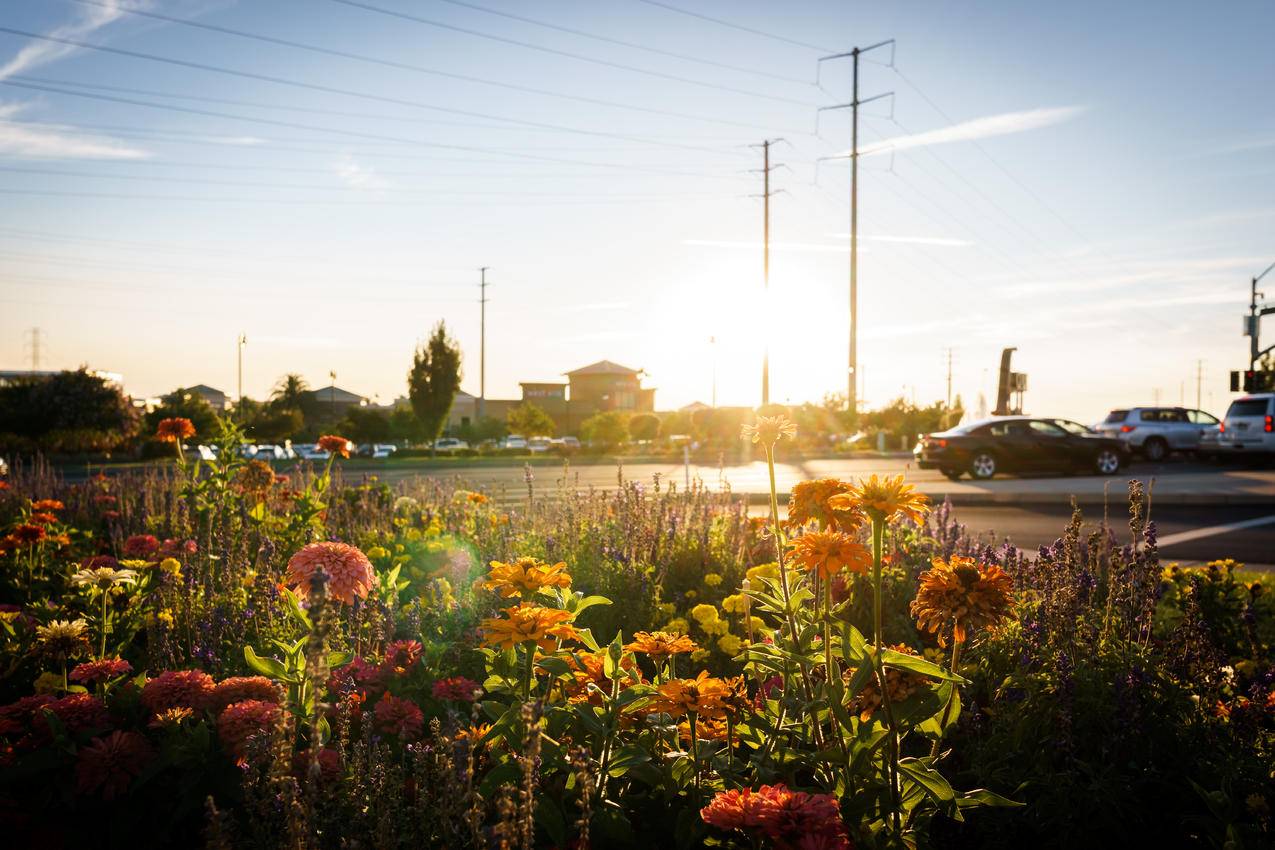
{"type": "Point", "coordinates": [482, 344]}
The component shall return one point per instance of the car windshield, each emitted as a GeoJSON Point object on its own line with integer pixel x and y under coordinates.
{"type": "Point", "coordinates": [1070, 427]}
{"type": "Point", "coordinates": [1116, 416]}
{"type": "Point", "coordinates": [1247, 407]}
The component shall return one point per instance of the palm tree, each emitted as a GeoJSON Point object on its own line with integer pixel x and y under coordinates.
{"type": "Point", "coordinates": [289, 391]}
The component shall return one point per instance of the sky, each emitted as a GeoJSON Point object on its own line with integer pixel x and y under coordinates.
{"type": "Point", "coordinates": [1088, 182]}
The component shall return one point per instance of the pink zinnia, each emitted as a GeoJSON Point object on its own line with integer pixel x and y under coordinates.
{"type": "Point", "coordinates": [399, 717]}
{"type": "Point", "coordinates": [240, 688]}
{"type": "Point", "coordinates": [141, 545]}
{"type": "Point", "coordinates": [329, 765]}
{"type": "Point", "coordinates": [402, 655]}
{"type": "Point", "coordinates": [240, 721]}
{"type": "Point", "coordinates": [348, 570]}
{"type": "Point", "coordinates": [76, 713]}
{"type": "Point", "coordinates": [110, 764]}
{"type": "Point", "coordinates": [456, 688]}
{"type": "Point", "coordinates": [96, 672]}
{"type": "Point", "coordinates": [178, 689]}
{"type": "Point", "coordinates": [736, 809]}
{"type": "Point", "coordinates": [172, 547]}
{"type": "Point", "coordinates": [16, 717]}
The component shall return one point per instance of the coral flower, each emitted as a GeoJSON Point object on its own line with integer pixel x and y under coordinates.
{"type": "Point", "coordinates": [768, 430]}
{"type": "Point", "coordinates": [399, 717]}
{"type": "Point", "coordinates": [401, 656]}
{"type": "Point", "coordinates": [526, 577]}
{"type": "Point", "coordinates": [141, 546]}
{"type": "Point", "coordinates": [703, 695]}
{"type": "Point", "coordinates": [737, 809]}
{"type": "Point", "coordinates": [255, 478]}
{"type": "Point", "coordinates": [528, 622]}
{"type": "Point", "coordinates": [660, 645]}
{"type": "Point", "coordinates": [809, 503]}
{"type": "Point", "coordinates": [109, 765]}
{"type": "Point", "coordinates": [178, 689]}
{"type": "Point", "coordinates": [29, 534]}
{"type": "Point", "coordinates": [242, 688]}
{"type": "Point", "coordinates": [457, 688]}
{"type": "Point", "coordinates": [349, 572]}
{"type": "Point", "coordinates": [830, 552]}
{"type": "Point", "coordinates": [239, 722]}
{"type": "Point", "coordinates": [97, 672]}
{"type": "Point", "coordinates": [44, 518]}
{"type": "Point", "coordinates": [47, 505]}
{"type": "Point", "coordinates": [883, 499]}
{"type": "Point", "coordinates": [960, 595]}
{"type": "Point", "coordinates": [332, 444]}
{"type": "Point", "coordinates": [175, 429]}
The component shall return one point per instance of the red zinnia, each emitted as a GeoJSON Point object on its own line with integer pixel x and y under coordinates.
{"type": "Point", "coordinates": [95, 672]}
{"type": "Point", "coordinates": [178, 689]}
{"type": "Point", "coordinates": [402, 655]}
{"type": "Point", "coordinates": [333, 444]}
{"type": "Point", "coordinates": [141, 545]}
{"type": "Point", "coordinates": [15, 718]}
{"type": "Point", "coordinates": [240, 721]}
{"type": "Point", "coordinates": [241, 688]}
{"type": "Point", "coordinates": [44, 518]}
{"type": "Point", "coordinates": [47, 505]}
{"type": "Point", "coordinates": [98, 562]}
{"type": "Point", "coordinates": [456, 688]}
{"type": "Point", "coordinates": [110, 764]}
{"type": "Point", "coordinates": [28, 535]}
{"type": "Point", "coordinates": [77, 713]}
{"type": "Point", "coordinates": [175, 429]}
{"type": "Point", "coordinates": [348, 570]}
{"type": "Point", "coordinates": [399, 717]}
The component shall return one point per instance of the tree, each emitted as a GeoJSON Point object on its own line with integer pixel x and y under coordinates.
{"type": "Point", "coordinates": [530, 421]}
{"type": "Point", "coordinates": [486, 428]}
{"type": "Point", "coordinates": [644, 426]}
{"type": "Point", "coordinates": [405, 426]}
{"type": "Point", "coordinates": [365, 426]}
{"type": "Point", "coordinates": [182, 402]}
{"type": "Point", "coordinates": [677, 423]}
{"type": "Point", "coordinates": [606, 430]}
{"type": "Point", "coordinates": [69, 412]}
{"type": "Point", "coordinates": [433, 381]}
{"type": "Point", "coordinates": [290, 391]}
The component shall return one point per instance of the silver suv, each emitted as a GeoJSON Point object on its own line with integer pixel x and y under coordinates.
{"type": "Point", "coordinates": [1157, 431]}
{"type": "Point", "coordinates": [1249, 426]}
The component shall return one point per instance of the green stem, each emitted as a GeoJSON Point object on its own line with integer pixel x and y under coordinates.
{"type": "Point", "coordinates": [892, 771]}
{"type": "Point", "coordinates": [106, 599]}
{"type": "Point", "coordinates": [947, 707]}
{"type": "Point", "coordinates": [529, 647]}
{"type": "Point", "coordinates": [694, 751]}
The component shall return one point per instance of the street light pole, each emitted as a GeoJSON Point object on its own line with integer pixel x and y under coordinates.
{"type": "Point", "coordinates": [243, 340]}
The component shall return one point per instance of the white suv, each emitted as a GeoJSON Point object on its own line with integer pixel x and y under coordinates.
{"type": "Point", "coordinates": [1157, 431]}
{"type": "Point", "coordinates": [1249, 426]}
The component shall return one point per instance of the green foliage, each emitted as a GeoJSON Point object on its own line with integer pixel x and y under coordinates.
{"type": "Point", "coordinates": [433, 381]}
{"type": "Point", "coordinates": [606, 430]}
{"type": "Point", "coordinates": [363, 425]}
{"type": "Point", "coordinates": [530, 421]}
{"type": "Point", "coordinates": [69, 412]}
{"type": "Point", "coordinates": [188, 405]}
{"type": "Point", "coordinates": [644, 426]}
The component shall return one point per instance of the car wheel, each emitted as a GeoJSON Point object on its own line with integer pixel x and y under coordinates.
{"type": "Point", "coordinates": [983, 465]}
{"type": "Point", "coordinates": [1107, 462]}
{"type": "Point", "coordinates": [953, 474]}
{"type": "Point", "coordinates": [1155, 449]}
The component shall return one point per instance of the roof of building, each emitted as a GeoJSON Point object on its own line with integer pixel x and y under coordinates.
{"type": "Point", "coordinates": [334, 394]}
{"type": "Point", "coordinates": [694, 406]}
{"type": "Point", "coordinates": [204, 389]}
{"type": "Point", "coordinates": [541, 384]}
{"type": "Point", "coordinates": [604, 367]}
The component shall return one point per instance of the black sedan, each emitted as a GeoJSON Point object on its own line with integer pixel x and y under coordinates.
{"type": "Point", "coordinates": [1020, 444]}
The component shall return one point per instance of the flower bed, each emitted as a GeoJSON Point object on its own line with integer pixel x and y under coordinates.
{"type": "Point", "coordinates": [269, 662]}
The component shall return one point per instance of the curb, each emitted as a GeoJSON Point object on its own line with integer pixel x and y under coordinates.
{"type": "Point", "coordinates": [1054, 499]}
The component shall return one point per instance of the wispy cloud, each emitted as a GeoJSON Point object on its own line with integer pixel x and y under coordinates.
{"type": "Point", "coordinates": [978, 128]}
{"type": "Point", "coordinates": [938, 241]}
{"type": "Point", "coordinates": [358, 176]}
{"type": "Point", "coordinates": [88, 20]}
{"type": "Point", "coordinates": [49, 141]}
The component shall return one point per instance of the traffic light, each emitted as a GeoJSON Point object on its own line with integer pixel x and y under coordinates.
{"type": "Point", "coordinates": [1235, 381]}
{"type": "Point", "coordinates": [1253, 381]}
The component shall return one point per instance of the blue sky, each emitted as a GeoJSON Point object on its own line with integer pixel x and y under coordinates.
{"type": "Point", "coordinates": [1090, 182]}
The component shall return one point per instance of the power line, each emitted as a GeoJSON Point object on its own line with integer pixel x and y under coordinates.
{"type": "Point", "coordinates": [608, 40]}
{"type": "Point", "coordinates": [543, 200]}
{"type": "Point", "coordinates": [567, 54]}
{"type": "Point", "coordinates": [734, 26]}
{"type": "Point", "coordinates": [390, 63]}
{"type": "Point", "coordinates": [134, 54]}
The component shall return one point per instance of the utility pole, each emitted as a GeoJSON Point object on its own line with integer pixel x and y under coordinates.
{"type": "Point", "coordinates": [332, 391]}
{"type": "Point", "coordinates": [1199, 379]}
{"type": "Point", "coordinates": [765, 258]}
{"type": "Point", "coordinates": [482, 344]}
{"type": "Point", "coordinates": [712, 340]}
{"type": "Point", "coordinates": [239, 344]}
{"type": "Point", "coordinates": [852, 401]}
{"type": "Point", "coordinates": [1254, 320]}
{"type": "Point", "coordinates": [34, 335]}
{"type": "Point", "coordinates": [949, 379]}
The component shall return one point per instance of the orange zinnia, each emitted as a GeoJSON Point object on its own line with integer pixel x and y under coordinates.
{"type": "Point", "coordinates": [332, 444]}
{"type": "Point", "coordinates": [660, 645]}
{"type": "Point", "coordinates": [768, 430]}
{"type": "Point", "coordinates": [809, 502]}
{"type": "Point", "coordinates": [704, 695]}
{"type": "Point", "coordinates": [174, 429]}
{"type": "Point", "coordinates": [883, 499]}
{"type": "Point", "coordinates": [961, 595]}
{"type": "Point", "coordinates": [528, 622]}
{"type": "Point", "coordinates": [47, 505]}
{"type": "Point", "coordinates": [830, 552]}
{"type": "Point", "coordinates": [526, 577]}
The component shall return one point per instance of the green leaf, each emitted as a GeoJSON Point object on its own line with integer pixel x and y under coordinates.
{"type": "Point", "coordinates": [555, 666]}
{"type": "Point", "coordinates": [936, 787]}
{"type": "Point", "coordinates": [265, 666]}
{"type": "Point", "coordinates": [587, 638]}
{"type": "Point", "coordinates": [626, 758]}
{"type": "Point", "coordinates": [903, 661]}
{"type": "Point", "coordinates": [294, 608]}
{"type": "Point", "coordinates": [258, 512]}
{"type": "Point", "coordinates": [340, 658]}
{"type": "Point", "coordinates": [549, 818]}
{"type": "Point", "coordinates": [577, 604]}
{"type": "Point", "coordinates": [983, 797]}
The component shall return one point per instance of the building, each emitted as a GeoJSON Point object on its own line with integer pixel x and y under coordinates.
{"type": "Point", "coordinates": [329, 404]}
{"type": "Point", "coordinates": [606, 386]}
{"type": "Point", "coordinates": [216, 399]}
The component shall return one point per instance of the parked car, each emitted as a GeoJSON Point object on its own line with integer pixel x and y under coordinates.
{"type": "Point", "coordinates": [1154, 432]}
{"type": "Point", "coordinates": [383, 450]}
{"type": "Point", "coordinates": [309, 451]}
{"type": "Point", "coordinates": [514, 441]}
{"type": "Point", "coordinates": [568, 443]}
{"type": "Point", "coordinates": [1020, 444]}
{"type": "Point", "coordinates": [538, 445]}
{"type": "Point", "coordinates": [1249, 427]}
{"type": "Point", "coordinates": [270, 452]}
{"type": "Point", "coordinates": [447, 445]}
{"type": "Point", "coordinates": [200, 452]}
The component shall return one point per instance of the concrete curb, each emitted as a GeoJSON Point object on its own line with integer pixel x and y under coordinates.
{"type": "Point", "coordinates": [1052, 499]}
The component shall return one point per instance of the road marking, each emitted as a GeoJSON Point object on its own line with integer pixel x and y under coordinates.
{"type": "Point", "coordinates": [1196, 534]}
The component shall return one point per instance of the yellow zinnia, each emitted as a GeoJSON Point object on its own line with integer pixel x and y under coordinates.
{"type": "Point", "coordinates": [883, 499]}
{"type": "Point", "coordinates": [526, 577]}
{"type": "Point", "coordinates": [528, 622]}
